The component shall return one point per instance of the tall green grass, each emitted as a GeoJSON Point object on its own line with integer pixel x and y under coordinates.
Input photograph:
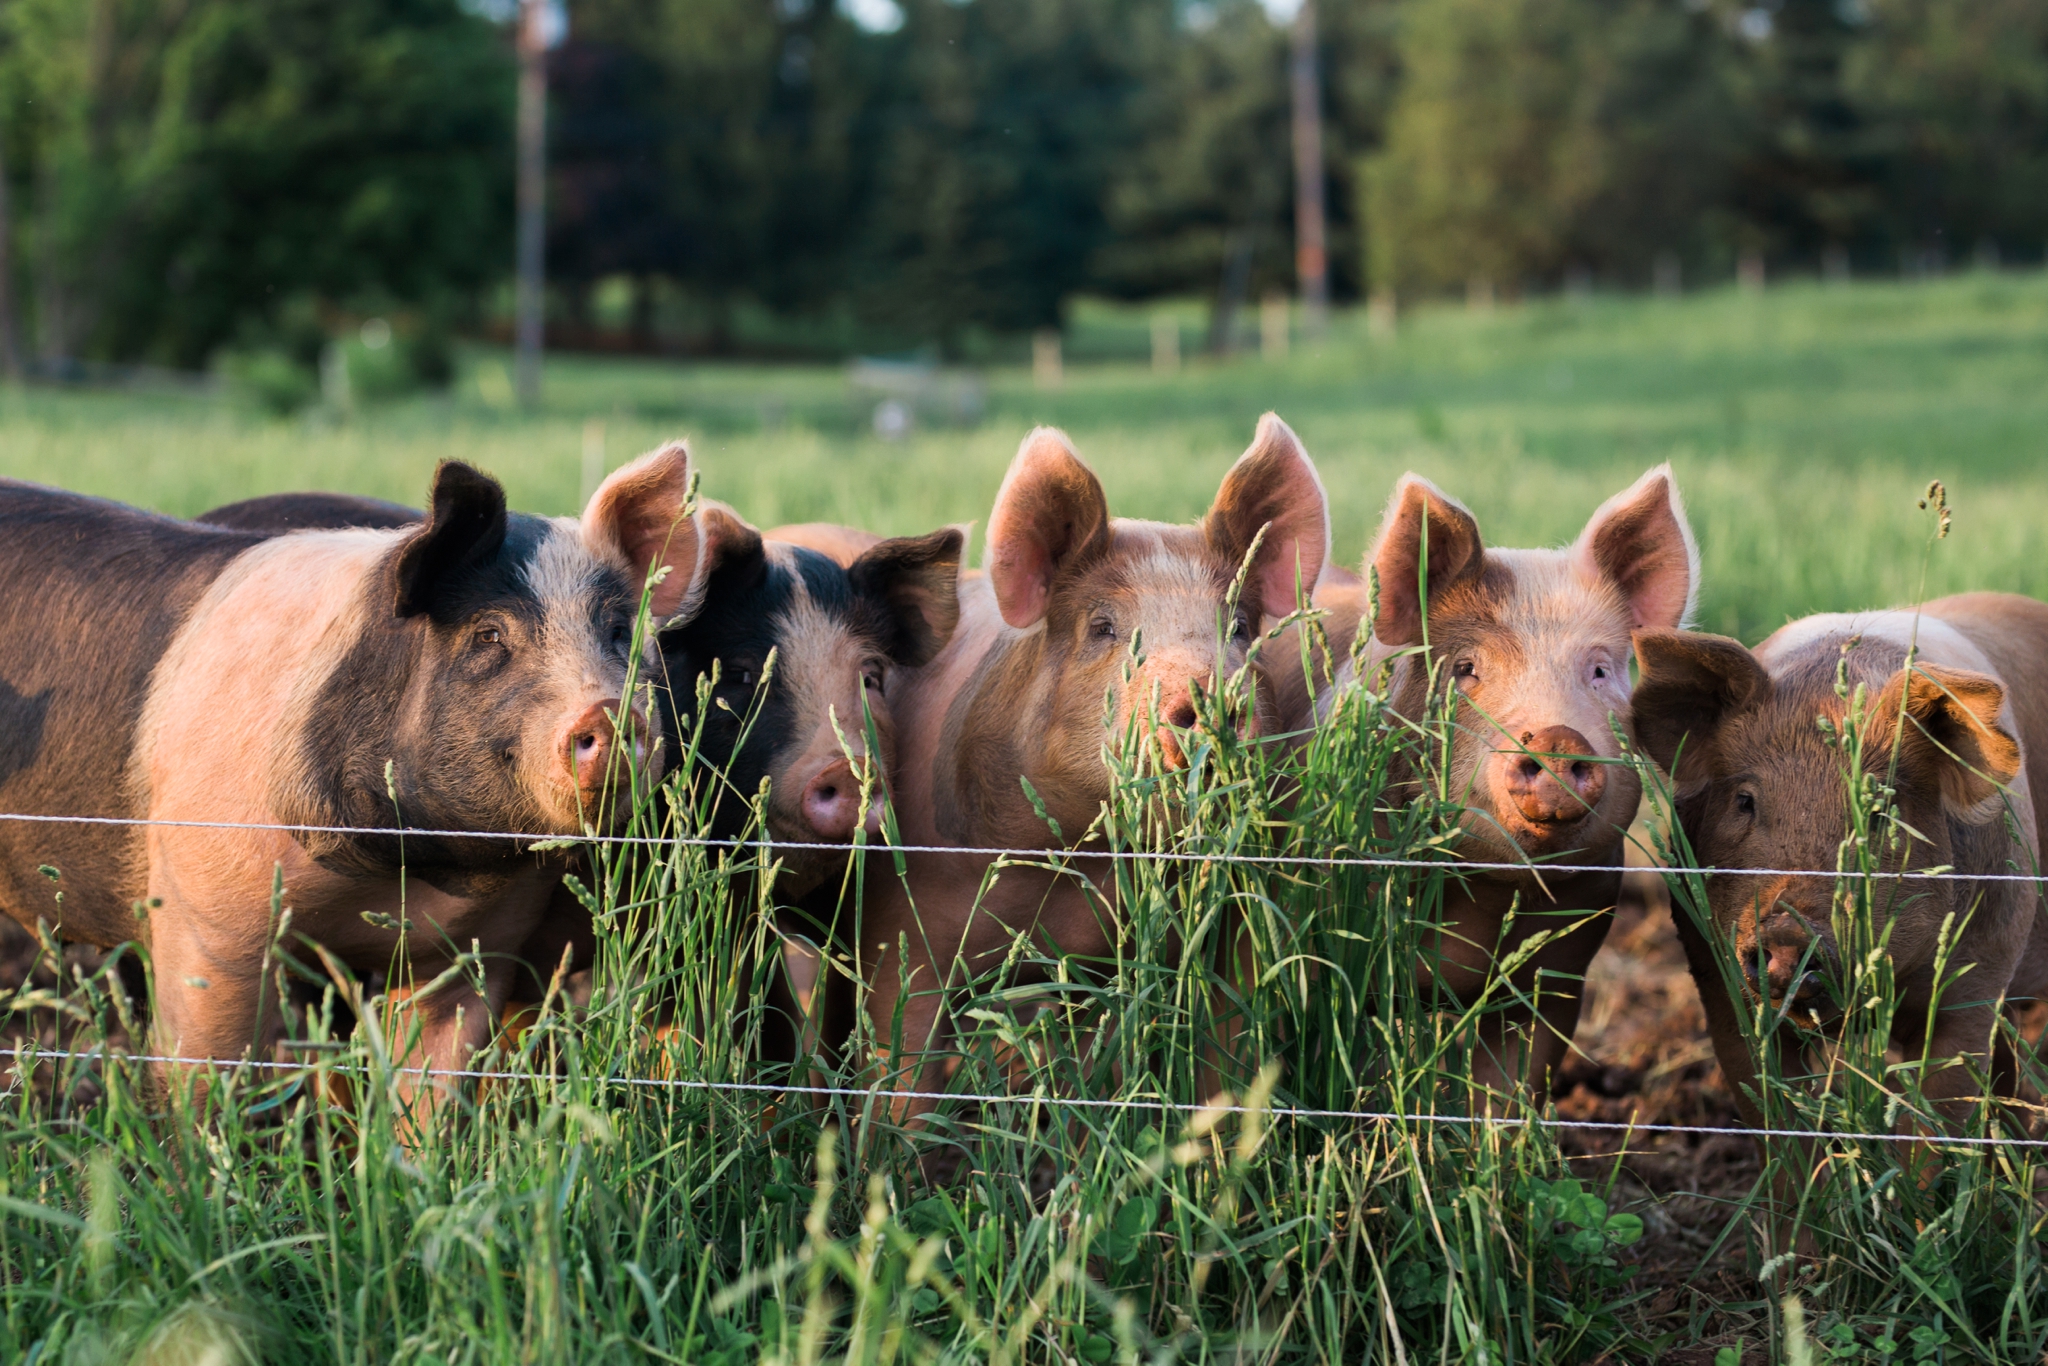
{"type": "Point", "coordinates": [569, 1213]}
{"type": "Point", "coordinates": [616, 1191]}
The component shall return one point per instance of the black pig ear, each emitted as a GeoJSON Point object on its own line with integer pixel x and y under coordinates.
{"type": "Point", "coordinates": [1691, 683]}
{"type": "Point", "coordinates": [465, 525]}
{"type": "Point", "coordinates": [915, 580]}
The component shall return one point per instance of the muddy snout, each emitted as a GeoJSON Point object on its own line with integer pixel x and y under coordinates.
{"type": "Point", "coordinates": [1553, 778]}
{"type": "Point", "coordinates": [1786, 964]}
{"type": "Point", "coordinates": [832, 804]}
{"type": "Point", "coordinates": [591, 747]}
{"type": "Point", "coordinates": [1176, 715]}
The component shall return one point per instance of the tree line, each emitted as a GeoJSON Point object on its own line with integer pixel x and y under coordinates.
{"type": "Point", "coordinates": [185, 176]}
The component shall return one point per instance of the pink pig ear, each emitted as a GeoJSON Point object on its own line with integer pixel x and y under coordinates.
{"type": "Point", "coordinates": [1640, 541]}
{"type": "Point", "coordinates": [1050, 518]}
{"type": "Point", "coordinates": [637, 519]}
{"type": "Point", "coordinates": [1274, 486]}
{"type": "Point", "coordinates": [1427, 545]}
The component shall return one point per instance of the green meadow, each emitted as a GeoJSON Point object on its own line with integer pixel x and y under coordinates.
{"type": "Point", "coordinates": [1803, 424]}
{"type": "Point", "coordinates": [617, 1193]}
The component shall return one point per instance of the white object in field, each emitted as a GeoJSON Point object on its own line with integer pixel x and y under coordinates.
{"type": "Point", "coordinates": [376, 334]}
{"type": "Point", "coordinates": [1749, 272]}
{"type": "Point", "coordinates": [892, 419]}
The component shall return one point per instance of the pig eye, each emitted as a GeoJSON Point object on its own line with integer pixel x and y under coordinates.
{"type": "Point", "coordinates": [1102, 628]}
{"type": "Point", "coordinates": [1745, 803]}
{"type": "Point", "coordinates": [490, 635]}
{"type": "Point", "coordinates": [1241, 629]}
{"type": "Point", "coordinates": [1465, 671]}
{"type": "Point", "coordinates": [1599, 671]}
{"type": "Point", "coordinates": [871, 675]}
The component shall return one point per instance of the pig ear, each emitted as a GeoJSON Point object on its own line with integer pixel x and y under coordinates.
{"type": "Point", "coordinates": [637, 520]}
{"type": "Point", "coordinates": [1954, 732]}
{"type": "Point", "coordinates": [1050, 518]}
{"type": "Point", "coordinates": [1422, 527]}
{"type": "Point", "coordinates": [1273, 486]}
{"type": "Point", "coordinates": [1691, 683]}
{"type": "Point", "coordinates": [465, 526]}
{"type": "Point", "coordinates": [1640, 541]}
{"type": "Point", "coordinates": [916, 580]}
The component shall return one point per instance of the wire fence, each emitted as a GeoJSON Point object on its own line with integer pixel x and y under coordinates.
{"type": "Point", "coordinates": [1448, 862]}
{"type": "Point", "coordinates": [32, 1055]}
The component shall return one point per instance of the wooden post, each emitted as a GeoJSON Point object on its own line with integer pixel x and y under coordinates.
{"type": "Point", "coordinates": [530, 302]}
{"type": "Point", "coordinates": [10, 335]}
{"type": "Point", "coordinates": [1046, 370]}
{"type": "Point", "coordinates": [1165, 344]}
{"type": "Point", "coordinates": [1274, 326]}
{"type": "Point", "coordinates": [1311, 256]}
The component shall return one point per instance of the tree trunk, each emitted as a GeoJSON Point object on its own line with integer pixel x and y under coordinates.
{"type": "Point", "coordinates": [531, 302]}
{"type": "Point", "coordinates": [1311, 257]}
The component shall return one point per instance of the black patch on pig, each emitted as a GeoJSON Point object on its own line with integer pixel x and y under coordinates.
{"type": "Point", "coordinates": [746, 596]}
{"type": "Point", "coordinates": [279, 512]}
{"type": "Point", "coordinates": [421, 689]}
{"type": "Point", "coordinates": [91, 594]}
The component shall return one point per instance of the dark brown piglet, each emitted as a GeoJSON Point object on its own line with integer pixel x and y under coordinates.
{"type": "Point", "coordinates": [1536, 646]}
{"type": "Point", "coordinates": [1018, 695]}
{"type": "Point", "coordinates": [467, 674]}
{"type": "Point", "coordinates": [1758, 786]}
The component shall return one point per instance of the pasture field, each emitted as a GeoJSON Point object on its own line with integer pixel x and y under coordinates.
{"type": "Point", "coordinates": [617, 1196]}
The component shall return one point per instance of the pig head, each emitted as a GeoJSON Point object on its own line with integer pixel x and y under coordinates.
{"type": "Point", "coordinates": [793, 657]}
{"type": "Point", "coordinates": [1086, 606]}
{"type": "Point", "coordinates": [1533, 647]}
{"type": "Point", "coordinates": [1759, 783]}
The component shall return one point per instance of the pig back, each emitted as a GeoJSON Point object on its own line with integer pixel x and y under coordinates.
{"type": "Point", "coordinates": [91, 595]}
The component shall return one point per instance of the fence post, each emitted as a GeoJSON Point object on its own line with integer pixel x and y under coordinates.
{"type": "Point", "coordinates": [1274, 326]}
{"type": "Point", "coordinates": [1047, 372]}
{"type": "Point", "coordinates": [1165, 345]}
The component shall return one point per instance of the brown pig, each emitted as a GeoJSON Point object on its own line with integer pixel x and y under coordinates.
{"type": "Point", "coordinates": [1759, 786]}
{"type": "Point", "coordinates": [1536, 645]}
{"type": "Point", "coordinates": [1018, 694]}
{"type": "Point", "coordinates": [467, 674]}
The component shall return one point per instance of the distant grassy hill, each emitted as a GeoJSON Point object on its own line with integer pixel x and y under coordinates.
{"type": "Point", "coordinates": [1803, 424]}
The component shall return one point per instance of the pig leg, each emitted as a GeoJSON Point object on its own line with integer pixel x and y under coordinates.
{"type": "Point", "coordinates": [455, 1023]}
{"type": "Point", "coordinates": [1724, 1024]}
{"type": "Point", "coordinates": [213, 997]}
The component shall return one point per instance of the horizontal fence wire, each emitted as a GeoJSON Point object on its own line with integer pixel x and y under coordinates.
{"type": "Point", "coordinates": [1448, 863]}
{"type": "Point", "coordinates": [34, 1055]}
{"type": "Point", "coordinates": [1063, 1102]}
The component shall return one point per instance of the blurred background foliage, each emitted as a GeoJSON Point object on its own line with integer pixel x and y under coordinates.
{"type": "Point", "coordinates": [187, 179]}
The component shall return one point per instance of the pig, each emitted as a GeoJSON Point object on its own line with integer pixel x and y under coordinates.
{"type": "Point", "coordinates": [469, 673]}
{"type": "Point", "coordinates": [277, 512]}
{"type": "Point", "coordinates": [1536, 646]}
{"type": "Point", "coordinates": [838, 632]}
{"type": "Point", "coordinates": [1018, 694]}
{"type": "Point", "coordinates": [1756, 786]}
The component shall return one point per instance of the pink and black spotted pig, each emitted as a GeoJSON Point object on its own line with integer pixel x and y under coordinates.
{"type": "Point", "coordinates": [468, 673]}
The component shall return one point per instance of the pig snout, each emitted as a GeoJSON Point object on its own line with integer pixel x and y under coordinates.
{"type": "Point", "coordinates": [589, 743]}
{"type": "Point", "coordinates": [832, 805]}
{"type": "Point", "coordinates": [1782, 962]}
{"type": "Point", "coordinates": [1547, 782]}
{"type": "Point", "coordinates": [1176, 713]}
